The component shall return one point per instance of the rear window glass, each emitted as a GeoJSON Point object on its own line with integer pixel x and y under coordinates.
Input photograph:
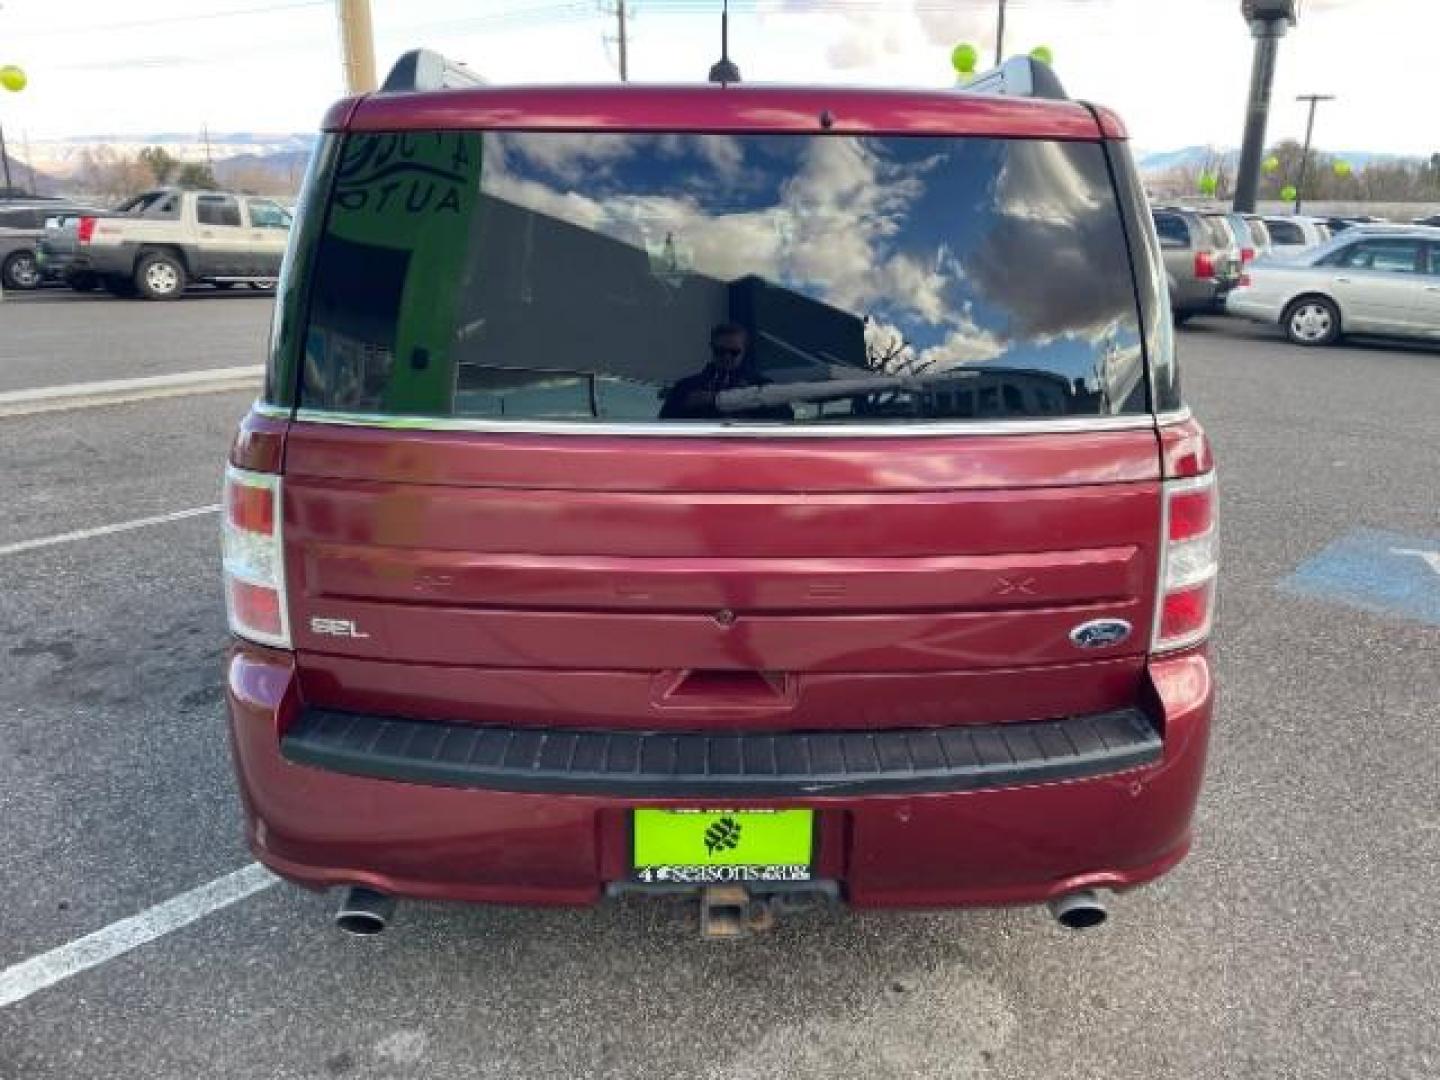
{"type": "Point", "coordinates": [1286, 232]}
{"type": "Point", "coordinates": [780, 279]}
{"type": "Point", "coordinates": [1171, 228]}
{"type": "Point", "coordinates": [1220, 234]}
{"type": "Point", "coordinates": [1259, 231]}
{"type": "Point", "coordinates": [152, 204]}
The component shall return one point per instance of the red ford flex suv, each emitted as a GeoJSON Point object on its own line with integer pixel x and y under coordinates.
{"type": "Point", "coordinates": [763, 494]}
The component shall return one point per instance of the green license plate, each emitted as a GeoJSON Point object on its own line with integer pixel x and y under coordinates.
{"type": "Point", "coordinates": [707, 847]}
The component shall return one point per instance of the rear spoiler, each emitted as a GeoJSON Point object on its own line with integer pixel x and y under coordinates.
{"type": "Point", "coordinates": [1020, 76]}
{"type": "Point", "coordinates": [423, 69]}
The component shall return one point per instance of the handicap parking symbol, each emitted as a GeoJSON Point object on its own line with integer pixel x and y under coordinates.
{"type": "Point", "coordinates": [1382, 572]}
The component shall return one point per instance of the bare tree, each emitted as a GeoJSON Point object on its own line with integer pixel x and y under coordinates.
{"type": "Point", "coordinates": [109, 174]}
{"type": "Point", "coordinates": [161, 163]}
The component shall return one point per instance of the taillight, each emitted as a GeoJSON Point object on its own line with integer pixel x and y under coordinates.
{"type": "Point", "coordinates": [85, 229]}
{"type": "Point", "coordinates": [1204, 264]}
{"type": "Point", "coordinates": [254, 558]}
{"type": "Point", "coordinates": [1247, 255]}
{"type": "Point", "coordinates": [1189, 559]}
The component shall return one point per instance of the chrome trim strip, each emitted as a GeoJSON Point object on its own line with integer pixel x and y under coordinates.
{"type": "Point", "coordinates": [1179, 416]}
{"type": "Point", "coordinates": [1142, 422]}
{"type": "Point", "coordinates": [270, 412]}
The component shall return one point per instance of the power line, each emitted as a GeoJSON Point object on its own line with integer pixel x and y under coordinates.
{"type": "Point", "coordinates": [204, 16]}
{"type": "Point", "coordinates": [528, 15]}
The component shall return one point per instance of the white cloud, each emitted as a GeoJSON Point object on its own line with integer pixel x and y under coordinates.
{"type": "Point", "coordinates": [1176, 70]}
{"type": "Point", "coordinates": [828, 229]}
{"type": "Point", "coordinates": [967, 344]}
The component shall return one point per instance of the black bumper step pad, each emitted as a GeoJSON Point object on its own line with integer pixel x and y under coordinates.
{"type": "Point", "coordinates": [750, 764]}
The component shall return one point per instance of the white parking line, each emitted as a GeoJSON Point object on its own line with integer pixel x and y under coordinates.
{"type": "Point", "coordinates": [106, 530]}
{"type": "Point", "coordinates": [120, 391]}
{"type": "Point", "coordinates": [30, 976]}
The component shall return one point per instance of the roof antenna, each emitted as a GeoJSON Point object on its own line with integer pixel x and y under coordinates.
{"type": "Point", "coordinates": [724, 71]}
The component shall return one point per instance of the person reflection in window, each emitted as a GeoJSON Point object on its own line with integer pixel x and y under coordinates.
{"type": "Point", "coordinates": [693, 397]}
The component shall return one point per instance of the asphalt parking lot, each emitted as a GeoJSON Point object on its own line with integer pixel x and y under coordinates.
{"type": "Point", "coordinates": [55, 337]}
{"type": "Point", "coordinates": [1299, 940]}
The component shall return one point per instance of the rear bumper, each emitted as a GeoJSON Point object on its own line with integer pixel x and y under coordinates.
{"type": "Point", "coordinates": [1008, 840]}
{"type": "Point", "coordinates": [1247, 305]}
{"type": "Point", "coordinates": [54, 265]}
{"type": "Point", "coordinates": [1201, 296]}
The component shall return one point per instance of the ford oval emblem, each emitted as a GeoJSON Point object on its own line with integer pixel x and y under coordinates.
{"type": "Point", "coordinates": [1100, 633]}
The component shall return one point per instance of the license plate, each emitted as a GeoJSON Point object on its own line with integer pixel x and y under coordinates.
{"type": "Point", "coordinates": [705, 847]}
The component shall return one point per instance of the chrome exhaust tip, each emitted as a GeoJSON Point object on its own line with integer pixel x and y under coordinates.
{"type": "Point", "coordinates": [364, 912]}
{"type": "Point", "coordinates": [1080, 910]}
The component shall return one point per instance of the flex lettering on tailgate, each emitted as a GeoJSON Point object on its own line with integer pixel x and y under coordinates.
{"type": "Point", "coordinates": [336, 628]}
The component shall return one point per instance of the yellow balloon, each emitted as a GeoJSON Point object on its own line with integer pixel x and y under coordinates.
{"type": "Point", "coordinates": [12, 78]}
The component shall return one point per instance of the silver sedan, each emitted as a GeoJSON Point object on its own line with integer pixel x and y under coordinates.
{"type": "Point", "coordinates": [1369, 280]}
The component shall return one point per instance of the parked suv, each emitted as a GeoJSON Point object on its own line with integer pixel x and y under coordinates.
{"type": "Point", "coordinates": [1201, 260]}
{"type": "Point", "coordinates": [1292, 235]}
{"type": "Point", "coordinates": [160, 241]}
{"type": "Point", "coordinates": [1259, 234]}
{"type": "Point", "coordinates": [22, 224]}
{"type": "Point", "coordinates": [742, 492]}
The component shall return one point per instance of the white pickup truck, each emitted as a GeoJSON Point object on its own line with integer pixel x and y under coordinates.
{"type": "Point", "coordinates": [159, 242]}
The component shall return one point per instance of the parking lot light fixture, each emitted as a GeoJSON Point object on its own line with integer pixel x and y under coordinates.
{"type": "Point", "coordinates": [1268, 20]}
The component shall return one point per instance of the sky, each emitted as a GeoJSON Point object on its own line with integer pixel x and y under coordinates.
{"type": "Point", "coordinates": [1176, 70]}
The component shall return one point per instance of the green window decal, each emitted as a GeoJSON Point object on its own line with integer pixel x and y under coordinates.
{"type": "Point", "coordinates": [394, 247]}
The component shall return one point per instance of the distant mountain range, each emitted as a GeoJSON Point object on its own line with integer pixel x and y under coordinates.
{"type": "Point", "coordinates": [240, 156]}
{"type": "Point", "coordinates": [61, 157]}
{"type": "Point", "coordinates": [1155, 161]}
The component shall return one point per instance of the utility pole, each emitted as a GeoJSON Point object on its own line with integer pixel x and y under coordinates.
{"type": "Point", "coordinates": [1269, 20]}
{"type": "Point", "coordinates": [5, 159]}
{"type": "Point", "coordinates": [1000, 35]}
{"type": "Point", "coordinates": [620, 17]}
{"type": "Point", "coordinates": [1313, 99]}
{"type": "Point", "coordinates": [619, 8]}
{"type": "Point", "coordinates": [205, 137]}
{"type": "Point", "coordinates": [357, 45]}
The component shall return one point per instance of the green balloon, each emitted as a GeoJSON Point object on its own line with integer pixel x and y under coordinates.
{"type": "Point", "coordinates": [964, 58]}
{"type": "Point", "coordinates": [1209, 184]}
{"type": "Point", "coordinates": [1288, 193]}
{"type": "Point", "coordinates": [1271, 164]}
{"type": "Point", "coordinates": [1342, 168]}
{"type": "Point", "coordinates": [1043, 54]}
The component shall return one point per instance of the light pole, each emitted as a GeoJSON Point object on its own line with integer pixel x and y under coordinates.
{"type": "Point", "coordinates": [5, 160]}
{"type": "Point", "coordinates": [12, 79]}
{"type": "Point", "coordinates": [1000, 35]}
{"type": "Point", "coordinates": [1313, 99]}
{"type": "Point", "coordinates": [357, 45]}
{"type": "Point", "coordinates": [1268, 19]}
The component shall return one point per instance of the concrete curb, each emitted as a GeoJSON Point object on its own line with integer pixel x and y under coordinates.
{"type": "Point", "coordinates": [118, 391]}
